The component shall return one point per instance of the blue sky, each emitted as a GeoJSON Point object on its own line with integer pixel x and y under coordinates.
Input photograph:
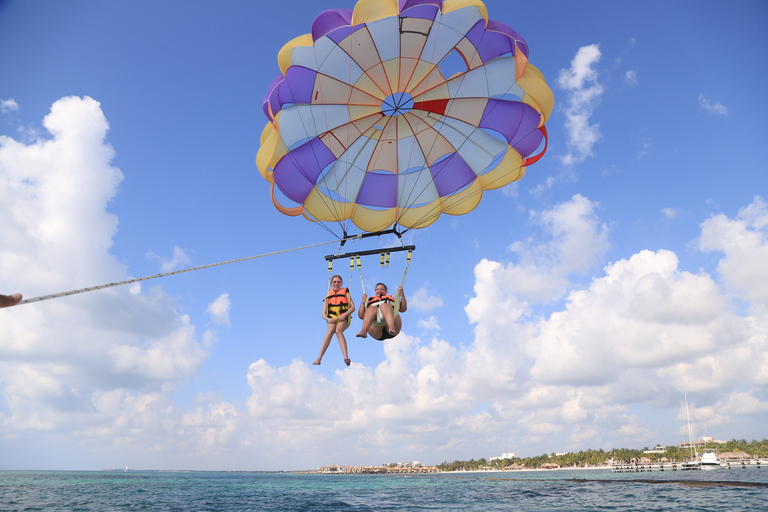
{"type": "Point", "coordinates": [570, 310]}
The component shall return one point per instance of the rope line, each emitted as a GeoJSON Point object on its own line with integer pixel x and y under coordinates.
{"type": "Point", "coordinates": [136, 280]}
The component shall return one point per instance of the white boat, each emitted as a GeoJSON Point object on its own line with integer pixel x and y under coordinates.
{"type": "Point", "coordinates": [710, 461]}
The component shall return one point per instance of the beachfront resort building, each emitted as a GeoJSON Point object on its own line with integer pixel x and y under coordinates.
{"type": "Point", "coordinates": [704, 441]}
{"type": "Point", "coordinates": [508, 455]}
{"type": "Point", "coordinates": [395, 467]}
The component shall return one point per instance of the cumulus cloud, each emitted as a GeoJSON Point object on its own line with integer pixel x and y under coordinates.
{"type": "Point", "coordinates": [583, 90]}
{"type": "Point", "coordinates": [638, 336]}
{"type": "Point", "coordinates": [219, 309]}
{"type": "Point", "coordinates": [581, 372]}
{"type": "Point", "coordinates": [669, 212]}
{"type": "Point", "coordinates": [430, 324]}
{"type": "Point", "coordinates": [99, 358]}
{"type": "Point", "coordinates": [712, 106]}
{"type": "Point", "coordinates": [742, 240]}
{"type": "Point", "coordinates": [8, 105]}
{"type": "Point", "coordinates": [577, 240]}
{"type": "Point", "coordinates": [630, 77]}
{"type": "Point", "coordinates": [178, 259]}
{"type": "Point", "coordinates": [421, 300]}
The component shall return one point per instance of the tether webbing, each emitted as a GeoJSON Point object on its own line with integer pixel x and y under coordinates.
{"type": "Point", "coordinates": [397, 295]}
{"type": "Point", "coordinates": [360, 269]}
{"type": "Point", "coordinates": [129, 281]}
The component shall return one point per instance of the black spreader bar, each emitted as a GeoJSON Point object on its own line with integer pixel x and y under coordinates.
{"type": "Point", "coordinates": [331, 257]}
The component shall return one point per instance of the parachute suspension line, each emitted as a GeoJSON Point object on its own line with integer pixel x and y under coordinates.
{"type": "Point", "coordinates": [145, 278]}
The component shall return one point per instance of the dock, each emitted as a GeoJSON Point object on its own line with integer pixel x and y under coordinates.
{"type": "Point", "coordinates": [642, 467]}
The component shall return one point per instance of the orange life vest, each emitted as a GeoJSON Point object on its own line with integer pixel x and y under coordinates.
{"type": "Point", "coordinates": [337, 303]}
{"type": "Point", "coordinates": [373, 301]}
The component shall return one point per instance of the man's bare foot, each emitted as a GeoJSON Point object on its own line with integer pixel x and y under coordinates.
{"type": "Point", "coordinates": [361, 335]}
{"type": "Point", "coordinates": [7, 301]}
{"type": "Point", "coordinates": [347, 361]}
{"type": "Point", "coordinates": [317, 362]}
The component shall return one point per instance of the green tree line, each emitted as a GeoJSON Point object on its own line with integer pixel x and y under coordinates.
{"type": "Point", "coordinates": [591, 457]}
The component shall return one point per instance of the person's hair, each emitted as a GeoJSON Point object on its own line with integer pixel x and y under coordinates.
{"type": "Point", "coordinates": [382, 284]}
{"type": "Point", "coordinates": [337, 275]}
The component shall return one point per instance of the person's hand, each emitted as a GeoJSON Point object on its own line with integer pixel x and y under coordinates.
{"type": "Point", "coordinates": [400, 290]}
{"type": "Point", "coordinates": [7, 301]}
{"type": "Point", "coordinates": [365, 298]}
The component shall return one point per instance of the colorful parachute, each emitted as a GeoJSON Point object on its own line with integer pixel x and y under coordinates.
{"type": "Point", "coordinates": [364, 126]}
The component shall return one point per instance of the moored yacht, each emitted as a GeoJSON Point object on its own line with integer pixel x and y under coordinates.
{"type": "Point", "coordinates": [710, 461]}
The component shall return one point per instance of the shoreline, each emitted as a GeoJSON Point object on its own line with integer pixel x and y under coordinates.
{"type": "Point", "coordinates": [526, 470]}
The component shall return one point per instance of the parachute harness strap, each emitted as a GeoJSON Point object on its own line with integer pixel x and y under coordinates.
{"type": "Point", "coordinates": [328, 292]}
{"type": "Point", "coordinates": [136, 280]}
{"type": "Point", "coordinates": [360, 269]}
{"type": "Point", "coordinates": [402, 282]}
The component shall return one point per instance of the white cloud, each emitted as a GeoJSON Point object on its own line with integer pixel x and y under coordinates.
{"type": "Point", "coordinates": [8, 105]}
{"type": "Point", "coordinates": [583, 90]}
{"type": "Point", "coordinates": [669, 212]}
{"type": "Point", "coordinates": [577, 242]}
{"type": "Point", "coordinates": [422, 301]}
{"type": "Point", "coordinates": [59, 359]}
{"type": "Point", "coordinates": [178, 260]}
{"type": "Point", "coordinates": [743, 241]}
{"type": "Point", "coordinates": [712, 106]}
{"type": "Point", "coordinates": [430, 324]}
{"type": "Point", "coordinates": [219, 309]}
{"type": "Point", "coordinates": [630, 77]}
{"type": "Point", "coordinates": [587, 373]}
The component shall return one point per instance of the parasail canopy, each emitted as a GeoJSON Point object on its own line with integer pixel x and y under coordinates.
{"type": "Point", "coordinates": [398, 111]}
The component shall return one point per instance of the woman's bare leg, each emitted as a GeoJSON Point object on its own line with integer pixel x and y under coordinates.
{"type": "Point", "coordinates": [326, 342]}
{"type": "Point", "coordinates": [389, 317]}
{"type": "Point", "coordinates": [340, 328]}
{"type": "Point", "coordinates": [368, 319]}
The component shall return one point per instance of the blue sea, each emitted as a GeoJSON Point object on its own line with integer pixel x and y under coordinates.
{"type": "Point", "coordinates": [576, 490]}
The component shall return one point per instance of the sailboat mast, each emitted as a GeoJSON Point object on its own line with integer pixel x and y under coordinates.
{"type": "Point", "coordinates": [688, 424]}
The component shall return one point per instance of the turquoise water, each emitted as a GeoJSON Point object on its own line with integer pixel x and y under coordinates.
{"type": "Point", "coordinates": [466, 492]}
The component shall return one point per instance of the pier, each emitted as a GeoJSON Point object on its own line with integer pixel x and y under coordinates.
{"type": "Point", "coordinates": [647, 466]}
{"type": "Point", "coordinates": [642, 467]}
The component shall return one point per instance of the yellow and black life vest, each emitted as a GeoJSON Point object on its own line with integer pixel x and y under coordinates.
{"type": "Point", "coordinates": [337, 303]}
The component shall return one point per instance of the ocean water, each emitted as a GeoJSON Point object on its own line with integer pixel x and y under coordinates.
{"type": "Point", "coordinates": [582, 490]}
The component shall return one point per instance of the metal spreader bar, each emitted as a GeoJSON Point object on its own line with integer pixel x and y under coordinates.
{"type": "Point", "coordinates": [331, 257]}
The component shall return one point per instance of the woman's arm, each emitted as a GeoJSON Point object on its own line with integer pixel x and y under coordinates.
{"type": "Point", "coordinates": [403, 302]}
{"type": "Point", "coordinates": [361, 309]}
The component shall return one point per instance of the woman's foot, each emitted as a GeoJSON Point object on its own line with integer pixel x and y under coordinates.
{"type": "Point", "coordinates": [317, 362]}
{"type": "Point", "coordinates": [361, 335]}
{"type": "Point", "coordinates": [392, 332]}
{"type": "Point", "coordinates": [347, 361]}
